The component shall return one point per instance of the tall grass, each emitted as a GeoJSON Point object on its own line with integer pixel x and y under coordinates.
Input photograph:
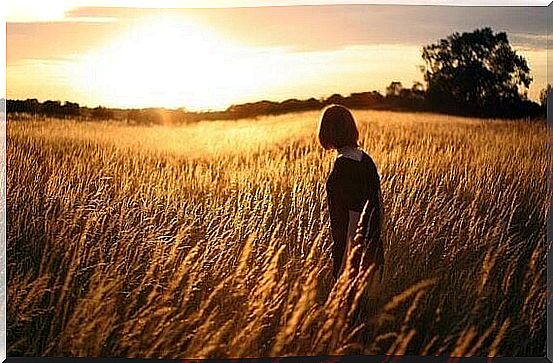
{"type": "Point", "coordinates": [212, 240]}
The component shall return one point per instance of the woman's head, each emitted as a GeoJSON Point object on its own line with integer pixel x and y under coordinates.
{"type": "Point", "coordinates": [337, 128]}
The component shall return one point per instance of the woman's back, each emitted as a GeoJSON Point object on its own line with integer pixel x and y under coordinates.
{"type": "Point", "coordinates": [354, 177]}
{"type": "Point", "coordinates": [353, 187]}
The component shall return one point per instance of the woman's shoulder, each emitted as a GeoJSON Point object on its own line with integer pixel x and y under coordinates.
{"type": "Point", "coordinates": [341, 169]}
{"type": "Point", "coordinates": [367, 158]}
{"type": "Point", "coordinates": [369, 162]}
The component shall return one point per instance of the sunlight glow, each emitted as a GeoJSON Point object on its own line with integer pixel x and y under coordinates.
{"type": "Point", "coordinates": [168, 61]}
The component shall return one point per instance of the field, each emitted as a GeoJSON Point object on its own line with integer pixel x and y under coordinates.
{"type": "Point", "coordinates": [212, 240]}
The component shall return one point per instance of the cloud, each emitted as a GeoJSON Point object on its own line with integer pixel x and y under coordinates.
{"type": "Point", "coordinates": [296, 29]}
{"type": "Point", "coordinates": [316, 28]}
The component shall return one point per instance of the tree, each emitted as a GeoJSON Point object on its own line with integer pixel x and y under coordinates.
{"type": "Point", "coordinates": [417, 87]}
{"type": "Point", "coordinates": [71, 109]}
{"type": "Point", "coordinates": [51, 108]}
{"type": "Point", "coordinates": [394, 89]}
{"type": "Point", "coordinates": [477, 72]}
{"type": "Point", "coordinates": [336, 99]}
{"type": "Point", "coordinates": [543, 95]}
{"type": "Point", "coordinates": [364, 99]}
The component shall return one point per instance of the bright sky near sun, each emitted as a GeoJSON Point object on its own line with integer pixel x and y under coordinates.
{"type": "Point", "coordinates": [134, 55]}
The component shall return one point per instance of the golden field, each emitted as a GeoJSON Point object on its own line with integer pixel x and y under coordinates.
{"type": "Point", "coordinates": [211, 239]}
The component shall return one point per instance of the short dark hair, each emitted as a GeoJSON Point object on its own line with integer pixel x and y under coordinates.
{"type": "Point", "coordinates": [337, 128]}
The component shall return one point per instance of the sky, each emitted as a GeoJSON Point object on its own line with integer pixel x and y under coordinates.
{"type": "Point", "coordinates": [93, 53]}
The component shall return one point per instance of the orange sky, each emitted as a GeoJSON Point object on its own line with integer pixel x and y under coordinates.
{"type": "Point", "coordinates": [212, 58]}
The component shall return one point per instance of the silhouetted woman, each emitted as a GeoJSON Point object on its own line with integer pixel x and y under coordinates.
{"type": "Point", "coordinates": [353, 193]}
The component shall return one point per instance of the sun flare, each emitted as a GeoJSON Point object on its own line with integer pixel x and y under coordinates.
{"type": "Point", "coordinates": [171, 62]}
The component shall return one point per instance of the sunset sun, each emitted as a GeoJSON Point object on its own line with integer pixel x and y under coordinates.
{"type": "Point", "coordinates": [164, 60]}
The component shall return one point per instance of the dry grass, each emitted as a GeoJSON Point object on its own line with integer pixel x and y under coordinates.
{"type": "Point", "coordinates": [211, 240]}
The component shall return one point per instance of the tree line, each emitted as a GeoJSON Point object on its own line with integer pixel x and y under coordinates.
{"type": "Point", "coordinates": [471, 74]}
{"type": "Point", "coordinates": [395, 98]}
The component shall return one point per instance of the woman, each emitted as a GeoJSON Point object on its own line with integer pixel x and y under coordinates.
{"type": "Point", "coordinates": [353, 193]}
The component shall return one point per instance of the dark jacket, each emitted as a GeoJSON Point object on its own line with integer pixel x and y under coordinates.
{"type": "Point", "coordinates": [353, 187]}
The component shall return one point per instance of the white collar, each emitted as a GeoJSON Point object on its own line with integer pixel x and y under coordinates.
{"type": "Point", "coordinates": [350, 152]}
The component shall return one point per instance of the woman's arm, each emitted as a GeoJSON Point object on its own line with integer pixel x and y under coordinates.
{"type": "Point", "coordinates": [369, 227]}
